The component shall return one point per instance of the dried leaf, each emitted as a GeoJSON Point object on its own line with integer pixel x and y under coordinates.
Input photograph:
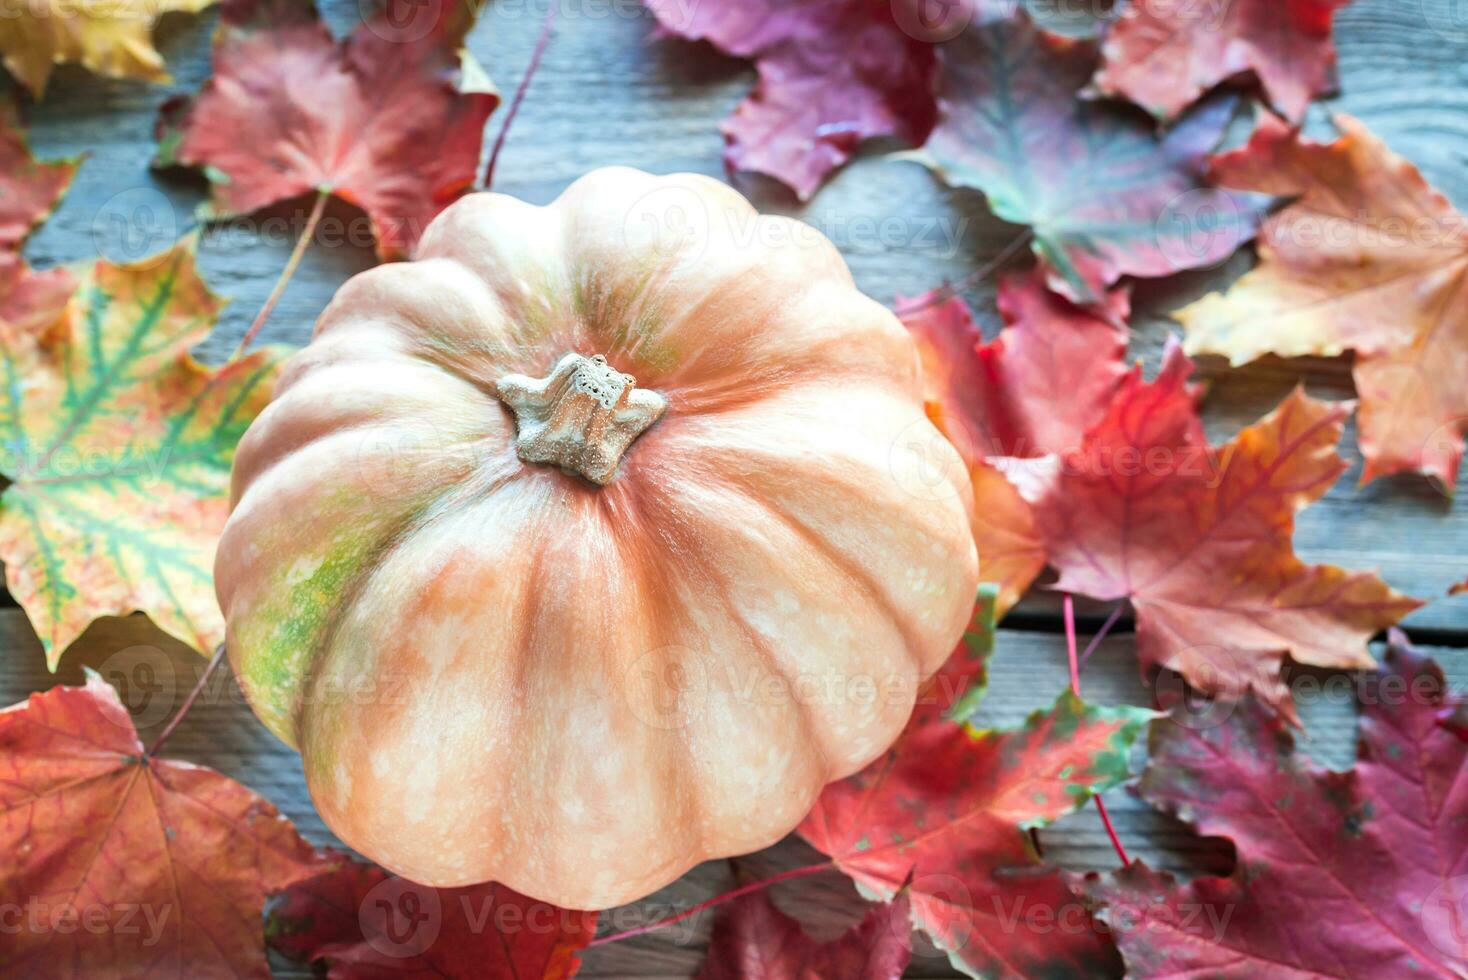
{"type": "Point", "coordinates": [1360, 873]}
{"type": "Point", "coordinates": [365, 923]}
{"type": "Point", "coordinates": [118, 446]}
{"type": "Point", "coordinates": [126, 866]}
{"type": "Point", "coordinates": [1163, 54]}
{"type": "Point", "coordinates": [753, 940]}
{"type": "Point", "coordinates": [110, 39]}
{"type": "Point", "coordinates": [380, 120]}
{"type": "Point", "coordinates": [1104, 197]}
{"type": "Point", "coordinates": [1370, 258]}
{"type": "Point", "coordinates": [1198, 538]}
{"type": "Point", "coordinates": [947, 806]}
{"type": "Point", "coordinates": [831, 75]}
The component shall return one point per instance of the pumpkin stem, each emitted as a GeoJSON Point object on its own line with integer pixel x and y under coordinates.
{"type": "Point", "coordinates": [581, 417]}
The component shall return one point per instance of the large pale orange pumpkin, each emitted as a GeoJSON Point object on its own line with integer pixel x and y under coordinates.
{"type": "Point", "coordinates": [531, 620]}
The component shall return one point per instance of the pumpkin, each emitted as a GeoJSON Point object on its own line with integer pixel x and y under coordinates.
{"type": "Point", "coordinates": [593, 542]}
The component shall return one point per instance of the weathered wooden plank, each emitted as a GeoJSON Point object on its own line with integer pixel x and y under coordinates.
{"type": "Point", "coordinates": [155, 672]}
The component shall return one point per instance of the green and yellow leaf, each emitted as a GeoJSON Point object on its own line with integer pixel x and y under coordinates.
{"type": "Point", "coordinates": [117, 445]}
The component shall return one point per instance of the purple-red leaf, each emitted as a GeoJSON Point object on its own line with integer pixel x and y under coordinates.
{"type": "Point", "coordinates": [1360, 874]}
{"type": "Point", "coordinates": [1104, 196]}
{"type": "Point", "coordinates": [831, 75]}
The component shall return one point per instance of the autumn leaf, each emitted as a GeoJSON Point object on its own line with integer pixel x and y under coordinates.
{"type": "Point", "coordinates": [1198, 538]}
{"type": "Point", "coordinates": [831, 75]}
{"type": "Point", "coordinates": [1102, 194]}
{"type": "Point", "coordinates": [1163, 54]}
{"type": "Point", "coordinates": [1034, 390]}
{"type": "Point", "coordinates": [118, 446]}
{"type": "Point", "coordinates": [381, 120]}
{"type": "Point", "coordinates": [109, 39]}
{"type": "Point", "coordinates": [123, 865]}
{"type": "Point", "coordinates": [753, 940]}
{"type": "Point", "coordinates": [1359, 874]}
{"type": "Point", "coordinates": [28, 190]}
{"type": "Point", "coordinates": [1368, 258]}
{"type": "Point", "coordinates": [365, 923]}
{"type": "Point", "coordinates": [945, 810]}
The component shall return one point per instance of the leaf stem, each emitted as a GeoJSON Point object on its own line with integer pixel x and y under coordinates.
{"type": "Point", "coordinates": [728, 896]}
{"type": "Point", "coordinates": [1075, 688]}
{"type": "Point", "coordinates": [307, 233]}
{"type": "Point", "coordinates": [178, 716]}
{"type": "Point", "coordinates": [1101, 633]}
{"type": "Point", "coordinates": [540, 45]}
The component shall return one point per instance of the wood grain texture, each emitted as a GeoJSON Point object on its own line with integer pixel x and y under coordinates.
{"type": "Point", "coordinates": [609, 94]}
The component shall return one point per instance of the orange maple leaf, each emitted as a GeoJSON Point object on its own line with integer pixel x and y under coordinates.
{"type": "Point", "coordinates": [1368, 258]}
{"type": "Point", "coordinates": [119, 864]}
{"type": "Point", "coordinates": [1198, 538]}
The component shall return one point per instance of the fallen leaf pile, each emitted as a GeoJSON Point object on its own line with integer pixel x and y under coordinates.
{"type": "Point", "coordinates": [117, 447]}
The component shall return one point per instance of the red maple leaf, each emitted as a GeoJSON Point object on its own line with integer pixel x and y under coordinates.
{"type": "Point", "coordinates": [831, 75]}
{"type": "Point", "coordinates": [379, 120]}
{"type": "Point", "coordinates": [1360, 874]}
{"type": "Point", "coordinates": [124, 865]}
{"type": "Point", "coordinates": [942, 817]}
{"type": "Point", "coordinates": [28, 189]}
{"type": "Point", "coordinates": [1198, 538]}
{"type": "Point", "coordinates": [753, 940]}
{"type": "Point", "coordinates": [1163, 54]}
{"type": "Point", "coordinates": [365, 923]}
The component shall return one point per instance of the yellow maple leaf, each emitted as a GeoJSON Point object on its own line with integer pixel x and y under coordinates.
{"type": "Point", "coordinates": [109, 37]}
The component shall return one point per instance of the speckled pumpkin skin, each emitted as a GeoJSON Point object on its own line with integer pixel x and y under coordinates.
{"type": "Point", "coordinates": [496, 670]}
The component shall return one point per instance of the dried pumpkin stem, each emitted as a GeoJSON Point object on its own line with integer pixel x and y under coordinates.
{"type": "Point", "coordinates": [581, 417]}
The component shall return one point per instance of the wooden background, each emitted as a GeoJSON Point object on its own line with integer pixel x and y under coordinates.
{"type": "Point", "coordinates": [608, 93]}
